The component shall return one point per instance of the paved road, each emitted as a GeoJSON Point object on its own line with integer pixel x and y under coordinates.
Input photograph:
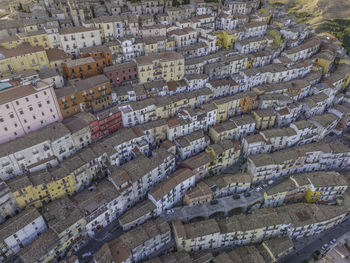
{"type": "Point", "coordinates": [306, 247]}
{"type": "Point", "coordinates": [110, 232]}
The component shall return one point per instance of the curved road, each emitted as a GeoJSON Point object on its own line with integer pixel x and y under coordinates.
{"type": "Point", "coordinates": [305, 248]}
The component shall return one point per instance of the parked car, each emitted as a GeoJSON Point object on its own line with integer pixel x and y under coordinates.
{"type": "Point", "coordinates": [214, 202]}
{"type": "Point", "coordinates": [264, 185]}
{"type": "Point", "coordinates": [270, 182]}
{"type": "Point", "coordinates": [325, 246]}
{"type": "Point", "coordinates": [317, 252]}
{"type": "Point", "coordinates": [333, 241]}
{"type": "Point", "coordinates": [247, 194]}
{"type": "Point", "coordinates": [86, 255]}
{"type": "Point", "coordinates": [170, 211]}
{"type": "Point", "coordinates": [236, 197]}
{"type": "Point", "coordinates": [258, 189]}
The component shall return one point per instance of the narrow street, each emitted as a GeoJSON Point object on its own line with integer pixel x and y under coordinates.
{"type": "Point", "coordinates": [306, 247]}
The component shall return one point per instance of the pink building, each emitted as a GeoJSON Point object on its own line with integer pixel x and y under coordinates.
{"type": "Point", "coordinates": [147, 31]}
{"type": "Point", "coordinates": [26, 108]}
{"type": "Point", "coordinates": [152, 31]}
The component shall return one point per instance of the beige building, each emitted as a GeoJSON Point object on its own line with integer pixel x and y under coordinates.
{"type": "Point", "coordinates": [264, 119]}
{"type": "Point", "coordinates": [168, 66]}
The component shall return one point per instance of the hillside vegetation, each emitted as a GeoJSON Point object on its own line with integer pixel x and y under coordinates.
{"type": "Point", "coordinates": [332, 16]}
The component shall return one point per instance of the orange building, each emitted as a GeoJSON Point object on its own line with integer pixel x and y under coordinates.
{"type": "Point", "coordinates": [248, 101]}
{"type": "Point", "coordinates": [91, 94]}
{"type": "Point", "coordinates": [91, 62]}
{"type": "Point", "coordinates": [200, 194]}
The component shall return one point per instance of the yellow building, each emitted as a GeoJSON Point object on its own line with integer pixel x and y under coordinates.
{"type": "Point", "coordinates": [240, 102]}
{"type": "Point", "coordinates": [40, 188]}
{"type": "Point", "coordinates": [170, 43]}
{"type": "Point", "coordinates": [274, 197]}
{"type": "Point", "coordinates": [325, 187]}
{"type": "Point", "coordinates": [157, 129]}
{"type": "Point", "coordinates": [167, 65]}
{"type": "Point", "coordinates": [11, 42]}
{"type": "Point", "coordinates": [223, 105]}
{"type": "Point", "coordinates": [57, 58]}
{"type": "Point", "coordinates": [114, 47]}
{"type": "Point", "coordinates": [22, 190]}
{"type": "Point", "coordinates": [264, 119]}
{"type": "Point", "coordinates": [226, 38]}
{"type": "Point", "coordinates": [223, 131]}
{"type": "Point", "coordinates": [31, 27]}
{"type": "Point", "coordinates": [313, 196]}
{"type": "Point", "coordinates": [61, 184]}
{"type": "Point", "coordinates": [67, 220]}
{"type": "Point", "coordinates": [21, 58]}
{"type": "Point", "coordinates": [168, 106]}
{"type": "Point", "coordinates": [225, 153]}
{"type": "Point", "coordinates": [35, 38]}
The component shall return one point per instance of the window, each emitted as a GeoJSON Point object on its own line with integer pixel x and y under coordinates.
{"type": "Point", "coordinates": [7, 106]}
{"type": "Point", "coordinates": [27, 99]}
{"type": "Point", "coordinates": [12, 116]}
{"type": "Point", "coordinates": [36, 96]}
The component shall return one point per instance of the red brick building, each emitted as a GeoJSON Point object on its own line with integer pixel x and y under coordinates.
{"type": "Point", "coordinates": [120, 73]}
{"type": "Point", "coordinates": [107, 122]}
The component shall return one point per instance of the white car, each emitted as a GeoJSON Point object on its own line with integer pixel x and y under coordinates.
{"type": "Point", "coordinates": [333, 241]}
{"type": "Point", "coordinates": [270, 182]}
{"type": "Point", "coordinates": [258, 189]}
{"type": "Point", "coordinates": [325, 246]}
{"type": "Point", "coordinates": [170, 211]}
{"type": "Point", "coordinates": [85, 255]}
